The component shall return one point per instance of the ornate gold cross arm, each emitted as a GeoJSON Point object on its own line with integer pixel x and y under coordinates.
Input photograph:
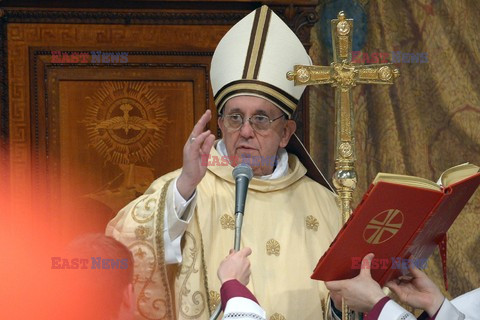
{"type": "Point", "coordinates": [344, 74]}
{"type": "Point", "coordinates": [341, 72]}
{"type": "Point", "coordinates": [383, 73]}
{"type": "Point", "coordinates": [308, 75]}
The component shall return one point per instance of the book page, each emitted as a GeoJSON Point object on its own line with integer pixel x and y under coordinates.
{"type": "Point", "coordinates": [458, 173]}
{"type": "Point", "coordinates": [406, 180]}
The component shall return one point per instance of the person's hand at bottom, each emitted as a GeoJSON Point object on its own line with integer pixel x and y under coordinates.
{"type": "Point", "coordinates": [235, 266]}
{"type": "Point", "coordinates": [417, 291]}
{"type": "Point", "coordinates": [360, 293]}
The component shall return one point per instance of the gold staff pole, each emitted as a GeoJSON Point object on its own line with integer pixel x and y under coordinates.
{"type": "Point", "coordinates": [343, 76]}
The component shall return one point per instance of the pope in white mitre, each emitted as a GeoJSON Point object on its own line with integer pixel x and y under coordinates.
{"type": "Point", "coordinates": [186, 216]}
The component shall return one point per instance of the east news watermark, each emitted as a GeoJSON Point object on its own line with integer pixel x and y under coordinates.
{"type": "Point", "coordinates": [388, 263]}
{"type": "Point", "coordinates": [89, 57]}
{"type": "Point", "coordinates": [260, 161]}
{"type": "Point", "coordinates": [88, 263]}
{"type": "Point", "coordinates": [395, 57]}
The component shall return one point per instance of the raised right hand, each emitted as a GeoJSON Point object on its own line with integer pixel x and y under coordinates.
{"type": "Point", "coordinates": [197, 146]}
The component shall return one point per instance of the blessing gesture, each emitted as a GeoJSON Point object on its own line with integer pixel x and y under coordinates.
{"type": "Point", "coordinates": [199, 144]}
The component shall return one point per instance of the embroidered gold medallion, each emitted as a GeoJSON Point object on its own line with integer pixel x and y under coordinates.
{"type": "Point", "coordinates": [312, 223]}
{"type": "Point", "coordinates": [214, 299]}
{"type": "Point", "coordinates": [140, 253]}
{"type": "Point", "coordinates": [227, 222]}
{"type": "Point", "coordinates": [142, 233]}
{"type": "Point", "coordinates": [273, 247]}
{"type": "Point", "coordinates": [277, 316]}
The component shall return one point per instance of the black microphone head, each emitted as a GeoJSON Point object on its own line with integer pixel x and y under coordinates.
{"type": "Point", "coordinates": [244, 170]}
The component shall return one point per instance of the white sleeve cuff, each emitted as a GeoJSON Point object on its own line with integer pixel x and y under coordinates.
{"type": "Point", "coordinates": [448, 311]}
{"type": "Point", "coordinates": [173, 226]}
{"type": "Point", "coordinates": [393, 311]}
{"type": "Point", "coordinates": [180, 203]}
{"type": "Point", "coordinates": [243, 308]}
{"type": "Point", "coordinates": [173, 252]}
{"type": "Point", "coordinates": [177, 207]}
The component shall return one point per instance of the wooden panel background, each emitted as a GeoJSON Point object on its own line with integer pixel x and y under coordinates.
{"type": "Point", "coordinates": [70, 127]}
{"type": "Point", "coordinates": [69, 103]}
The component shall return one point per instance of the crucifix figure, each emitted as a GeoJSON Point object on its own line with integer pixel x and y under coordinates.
{"type": "Point", "coordinates": [343, 76]}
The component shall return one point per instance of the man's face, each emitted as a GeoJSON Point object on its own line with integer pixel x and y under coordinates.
{"type": "Point", "coordinates": [256, 148]}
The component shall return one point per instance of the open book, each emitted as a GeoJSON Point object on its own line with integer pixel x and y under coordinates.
{"type": "Point", "coordinates": [401, 219]}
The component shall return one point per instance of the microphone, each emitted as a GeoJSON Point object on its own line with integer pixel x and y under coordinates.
{"type": "Point", "coordinates": [242, 174]}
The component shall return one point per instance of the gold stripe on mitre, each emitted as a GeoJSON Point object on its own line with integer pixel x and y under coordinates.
{"type": "Point", "coordinates": [256, 45]}
{"type": "Point", "coordinates": [284, 101]}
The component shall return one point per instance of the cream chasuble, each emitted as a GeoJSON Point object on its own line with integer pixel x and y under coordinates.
{"type": "Point", "coordinates": [289, 222]}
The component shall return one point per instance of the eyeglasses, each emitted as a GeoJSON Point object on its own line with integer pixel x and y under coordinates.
{"type": "Point", "coordinates": [258, 122]}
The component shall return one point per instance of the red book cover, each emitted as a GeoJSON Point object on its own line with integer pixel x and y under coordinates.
{"type": "Point", "coordinates": [395, 222]}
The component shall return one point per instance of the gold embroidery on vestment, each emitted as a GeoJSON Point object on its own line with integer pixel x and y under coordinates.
{"type": "Point", "coordinates": [140, 253]}
{"type": "Point", "coordinates": [214, 298]}
{"type": "Point", "coordinates": [144, 273]}
{"type": "Point", "coordinates": [142, 232]}
{"type": "Point", "coordinates": [273, 247]}
{"type": "Point", "coordinates": [147, 207]}
{"type": "Point", "coordinates": [145, 302]}
{"type": "Point", "coordinates": [277, 316]}
{"type": "Point", "coordinates": [167, 303]}
{"type": "Point", "coordinates": [227, 222]}
{"type": "Point", "coordinates": [312, 223]}
{"type": "Point", "coordinates": [196, 299]}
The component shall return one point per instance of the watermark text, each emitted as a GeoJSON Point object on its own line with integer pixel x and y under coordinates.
{"type": "Point", "coordinates": [209, 160]}
{"type": "Point", "coordinates": [385, 263]}
{"type": "Point", "coordinates": [85, 263]}
{"type": "Point", "coordinates": [386, 57]}
{"type": "Point", "coordinates": [89, 57]}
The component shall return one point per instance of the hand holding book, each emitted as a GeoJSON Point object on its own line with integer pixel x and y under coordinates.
{"type": "Point", "coordinates": [363, 294]}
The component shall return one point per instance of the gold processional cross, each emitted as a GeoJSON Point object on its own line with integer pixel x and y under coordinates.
{"type": "Point", "coordinates": [343, 75]}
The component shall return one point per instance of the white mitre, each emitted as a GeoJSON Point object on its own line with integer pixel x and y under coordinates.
{"type": "Point", "coordinates": [254, 57]}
